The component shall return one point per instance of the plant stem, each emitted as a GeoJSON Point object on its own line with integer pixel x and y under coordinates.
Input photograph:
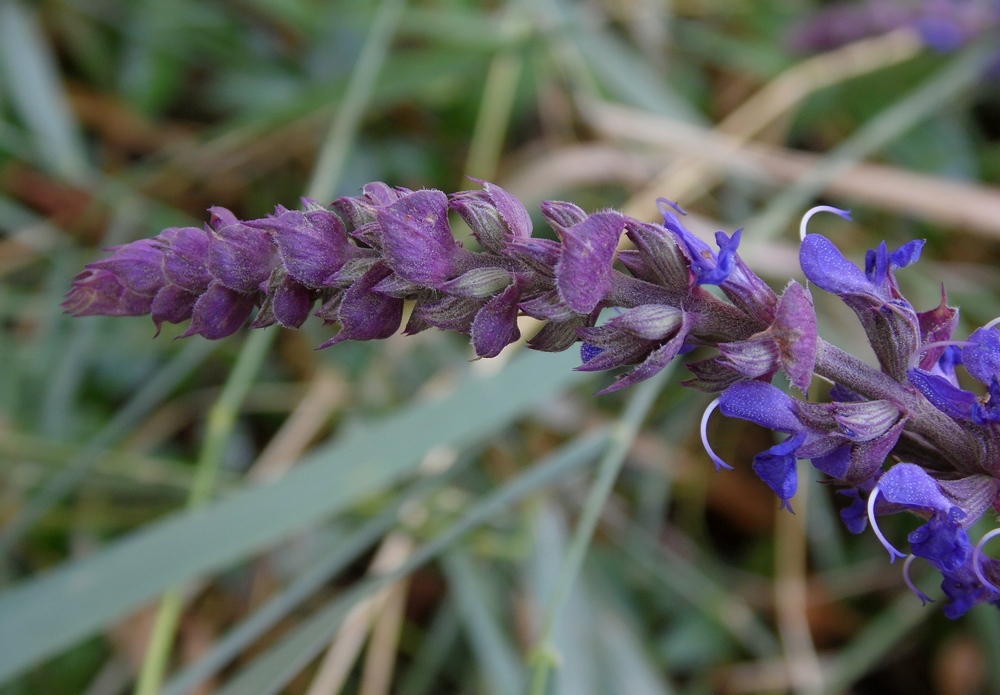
{"type": "Point", "coordinates": [333, 155]}
{"type": "Point", "coordinates": [324, 183]}
{"type": "Point", "coordinates": [221, 419]}
{"type": "Point", "coordinates": [545, 656]}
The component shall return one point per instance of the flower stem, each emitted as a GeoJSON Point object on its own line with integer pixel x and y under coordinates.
{"type": "Point", "coordinates": [545, 655]}
{"type": "Point", "coordinates": [337, 144]}
{"type": "Point", "coordinates": [324, 183]}
{"type": "Point", "coordinates": [221, 419]}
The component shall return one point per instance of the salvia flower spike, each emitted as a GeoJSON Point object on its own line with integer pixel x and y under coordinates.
{"type": "Point", "coordinates": [905, 436]}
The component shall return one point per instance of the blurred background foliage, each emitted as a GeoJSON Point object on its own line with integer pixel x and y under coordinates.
{"type": "Point", "coordinates": [394, 517]}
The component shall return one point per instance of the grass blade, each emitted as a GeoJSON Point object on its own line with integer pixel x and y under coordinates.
{"type": "Point", "coordinates": [39, 617]}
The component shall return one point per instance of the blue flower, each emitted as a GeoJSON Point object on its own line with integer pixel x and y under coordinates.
{"type": "Point", "coordinates": [709, 267]}
{"type": "Point", "coordinates": [981, 357]}
{"type": "Point", "coordinates": [890, 321]}
{"type": "Point", "coordinates": [950, 508]}
{"type": "Point", "coordinates": [848, 441]}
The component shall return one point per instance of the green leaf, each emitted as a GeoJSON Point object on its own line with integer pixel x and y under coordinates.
{"type": "Point", "coordinates": [40, 617]}
{"type": "Point", "coordinates": [37, 91]}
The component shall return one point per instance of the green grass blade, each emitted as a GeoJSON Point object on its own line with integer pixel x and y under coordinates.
{"type": "Point", "coordinates": [39, 617]}
{"type": "Point", "coordinates": [33, 79]}
{"type": "Point", "coordinates": [941, 90]}
{"type": "Point", "coordinates": [498, 661]}
{"type": "Point", "coordinates": [249, 630]}
{"type": "Point", "coordinates": [141, 404]}
{"type": "Point", "coordinates": [271, 671]}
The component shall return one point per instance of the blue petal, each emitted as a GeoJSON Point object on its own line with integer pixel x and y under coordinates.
{"type": "Point", "coordinates": [825, 266]}
{"type": "Point", "coordinates": [964, 591]}
{"type": "Point", "coordinates": [725, 262]}
{"type": "Point", "coordinates": [988, 412]}
{"type": "Point", "coordinates": [982, 356]}
{"type": "Point", "coordinates": [855, 516]}
{"type": "Point", "coordinates": [762, 403]}
{"type": "Point", "coordinates": [909, 485]}
{"type": "Point", "coordinates": [877, 264]}
{"type": "Point", "coordinates": [943, 395]}
{"type": "Point", "coordinates": [776, 467]}
{"type": "Point", "coordinates": [943, 541]}
{"type": "Point", "coordinates": [907, 254]}
{"type": "Point", "coordinates": [709, 267]}
{"type": "Point", "coordinates": [836, 464]}
{"type": "Point", "coordinates": [589, 352]}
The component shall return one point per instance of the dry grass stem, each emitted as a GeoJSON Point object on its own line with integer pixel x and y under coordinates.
{"type": "Point", "coordinates": [690, 177]}
{"type": "Point", "coordinates": [339, 659]}
{"type": "Point", "coordinates": [327, 392]}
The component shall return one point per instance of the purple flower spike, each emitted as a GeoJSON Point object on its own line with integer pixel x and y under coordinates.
{"type": "Point", "coordinates": [172, 304]}
{"type": "Point", "coordinates": [100, 293]}
{"type": "Point", "coordinates": [584, 271]}
{"type": "Point", "coordinates": [312, 245]}
{"type": "Point", "coordinates": [367, 315]}
{"type": "Point", "coordinates": [493, 215]}
{"type": "Point", "coordinates": [495, 326]}
{"type": "Point", "coordinates": [138, 266]}
{"type": "Point", "coordinates": [185, 257]}
{"type": "Point", "coordinates": [219, 312]}
{"type": "Point", "coordinates": [289, 302]}
{"type": "Point", "coordinates": [417, 239]}
{"type": "Point", "coordinates": [239, 256]}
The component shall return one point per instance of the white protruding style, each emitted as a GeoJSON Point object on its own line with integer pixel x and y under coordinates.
{"type": "Point", "coordinates": [924, 598]}
{"type": "Point", "coordinates": [915, 357]}
{"type": "Point", "coordinates": [977, 555]}
{"type": "Point", "coordinates": [846, 214]}
{"type": "Point", "coordinates": [893, 553]}
{"type": "Point", "coordinates": [719, 463]}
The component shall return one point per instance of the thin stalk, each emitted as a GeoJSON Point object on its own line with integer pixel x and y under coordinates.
{"type": "Point", "coordinates": [324, 183]}
{"type": "Point", "coordinates": [622, 436]}
{"type": "Point", "coordinates": [221, 419]}
{"type": "Point", "coordinates": [939, 91]}
{"type": "Point", "coordinates": [495, 110]}
{"type": "Point", "coordinates": [337, 145]}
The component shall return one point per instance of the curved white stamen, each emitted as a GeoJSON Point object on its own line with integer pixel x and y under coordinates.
{"type": "Point", "coordinates": [893, 553]}
{"type": "Point", "coordinates": [846, 214]}
{"type": "Point", "coordinates": [977, 565]}
{"type": "Point", "coordinates": [924, 598]}
{"type": "Point", "coordinates": [991, 324]}
{"type": "Point", "coordinates": [719, 463]}
{"type": "Point", "coordinates": [915, 357]}
{"type": "Point", "coordinates": [660, 202]}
